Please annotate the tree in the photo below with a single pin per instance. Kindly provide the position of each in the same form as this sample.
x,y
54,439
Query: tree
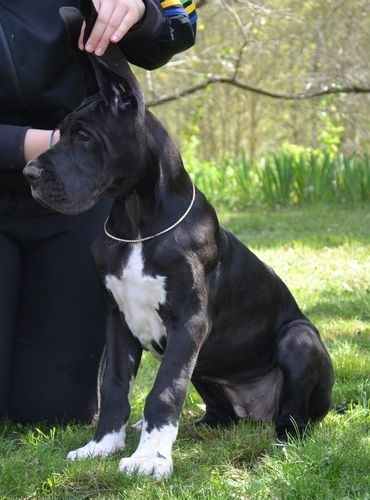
x,y
265,73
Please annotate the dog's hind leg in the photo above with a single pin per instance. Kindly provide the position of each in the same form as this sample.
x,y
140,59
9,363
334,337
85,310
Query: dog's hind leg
x,y
307,378
219,410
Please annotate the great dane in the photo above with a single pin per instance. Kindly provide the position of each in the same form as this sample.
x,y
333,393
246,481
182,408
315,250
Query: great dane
x,y
176,283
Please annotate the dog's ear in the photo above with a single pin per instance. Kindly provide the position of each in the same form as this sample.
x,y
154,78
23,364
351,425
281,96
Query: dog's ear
x,y
112,71
116,81
73,21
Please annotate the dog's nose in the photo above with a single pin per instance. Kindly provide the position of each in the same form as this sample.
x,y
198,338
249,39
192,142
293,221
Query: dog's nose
x,y
32,172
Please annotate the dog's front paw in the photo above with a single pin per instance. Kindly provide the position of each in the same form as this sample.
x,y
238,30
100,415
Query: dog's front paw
x,y
111,443
157,466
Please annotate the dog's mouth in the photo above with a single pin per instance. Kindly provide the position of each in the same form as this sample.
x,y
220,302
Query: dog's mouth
x,y
53,196
39,200
62,207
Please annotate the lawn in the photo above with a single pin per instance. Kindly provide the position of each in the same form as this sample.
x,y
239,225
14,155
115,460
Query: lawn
x,y
323,254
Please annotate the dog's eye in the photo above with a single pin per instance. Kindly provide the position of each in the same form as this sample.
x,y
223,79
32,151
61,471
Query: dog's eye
x,y
84,136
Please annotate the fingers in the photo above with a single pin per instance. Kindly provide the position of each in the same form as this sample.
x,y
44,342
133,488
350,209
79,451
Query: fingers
x,y
115,18
81,38
97,42
122,28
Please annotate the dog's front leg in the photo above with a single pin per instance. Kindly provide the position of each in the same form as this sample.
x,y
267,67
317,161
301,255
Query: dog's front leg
x,y
153,455
123,354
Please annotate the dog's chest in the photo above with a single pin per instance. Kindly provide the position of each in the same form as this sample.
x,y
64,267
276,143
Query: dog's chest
x,y
138,297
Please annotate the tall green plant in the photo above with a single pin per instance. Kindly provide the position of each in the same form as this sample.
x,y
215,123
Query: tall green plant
x,y
366,179
276,175
245,178
315,177
299,177
354,179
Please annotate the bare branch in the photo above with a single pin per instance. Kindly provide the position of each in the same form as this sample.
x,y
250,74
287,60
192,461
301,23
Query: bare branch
x,y
333,89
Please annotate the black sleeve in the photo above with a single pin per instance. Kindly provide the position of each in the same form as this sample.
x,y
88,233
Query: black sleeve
x,y
158,36
12,147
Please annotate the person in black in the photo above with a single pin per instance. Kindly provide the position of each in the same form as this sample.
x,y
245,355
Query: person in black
x,y
51,312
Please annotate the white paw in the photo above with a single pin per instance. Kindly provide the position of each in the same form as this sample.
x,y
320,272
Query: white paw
x,y
111,443
157,466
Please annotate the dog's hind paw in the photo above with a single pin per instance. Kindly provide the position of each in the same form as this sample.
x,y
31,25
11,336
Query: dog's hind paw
x,y
158,466
110,443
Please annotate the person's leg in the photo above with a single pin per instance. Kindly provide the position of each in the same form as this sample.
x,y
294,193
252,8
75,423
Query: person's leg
x,y
60,328
10,265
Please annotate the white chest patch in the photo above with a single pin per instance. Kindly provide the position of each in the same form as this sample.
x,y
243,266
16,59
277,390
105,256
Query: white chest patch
x,y
138,296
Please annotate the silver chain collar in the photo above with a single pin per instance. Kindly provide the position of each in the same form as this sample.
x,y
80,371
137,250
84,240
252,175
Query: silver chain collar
x,y
147,238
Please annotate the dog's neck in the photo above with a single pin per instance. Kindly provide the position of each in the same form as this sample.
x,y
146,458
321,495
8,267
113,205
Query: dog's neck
x,y
161,197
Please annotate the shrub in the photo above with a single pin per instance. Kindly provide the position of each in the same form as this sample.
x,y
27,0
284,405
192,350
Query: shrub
x,y
302,176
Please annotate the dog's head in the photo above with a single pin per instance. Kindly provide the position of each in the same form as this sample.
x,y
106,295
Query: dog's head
x,y
103,141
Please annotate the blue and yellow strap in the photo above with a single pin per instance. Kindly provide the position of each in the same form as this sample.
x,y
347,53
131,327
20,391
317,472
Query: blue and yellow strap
x,y
180,7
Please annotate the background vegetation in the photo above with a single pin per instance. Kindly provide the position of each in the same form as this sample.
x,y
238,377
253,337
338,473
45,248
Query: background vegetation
x,y
272,104
264,61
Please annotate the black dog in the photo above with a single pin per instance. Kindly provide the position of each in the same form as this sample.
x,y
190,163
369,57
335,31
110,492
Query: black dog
x,y
176,283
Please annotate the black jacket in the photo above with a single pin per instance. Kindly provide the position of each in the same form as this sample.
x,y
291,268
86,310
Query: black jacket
x,y
40,79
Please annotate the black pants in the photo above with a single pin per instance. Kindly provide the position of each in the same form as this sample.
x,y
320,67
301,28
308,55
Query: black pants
x,y
51,316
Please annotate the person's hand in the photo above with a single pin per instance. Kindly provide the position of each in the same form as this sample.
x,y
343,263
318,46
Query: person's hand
x,y
115,18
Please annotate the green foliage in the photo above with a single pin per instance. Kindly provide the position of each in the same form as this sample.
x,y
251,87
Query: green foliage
x,y
294,176
276,175
281,46
354,178
228,184
314,178
331,128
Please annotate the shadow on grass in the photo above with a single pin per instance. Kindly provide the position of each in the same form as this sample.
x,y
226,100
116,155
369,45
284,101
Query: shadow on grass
x,y
239,445
330,304
315,227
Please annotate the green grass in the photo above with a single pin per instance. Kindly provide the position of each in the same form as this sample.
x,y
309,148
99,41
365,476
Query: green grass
x,y
323,254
